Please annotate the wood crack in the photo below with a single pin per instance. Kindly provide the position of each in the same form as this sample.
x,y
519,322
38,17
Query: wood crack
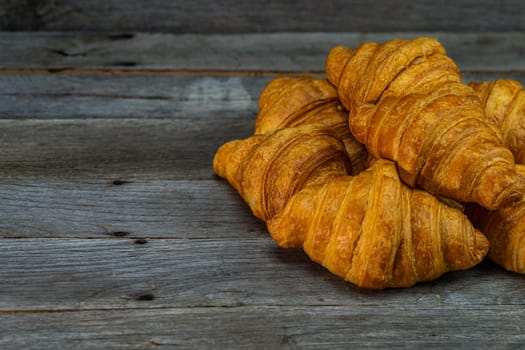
x,y
158,72
206,73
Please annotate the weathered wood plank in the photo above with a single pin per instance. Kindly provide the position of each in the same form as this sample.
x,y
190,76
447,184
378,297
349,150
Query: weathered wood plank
x,y
286,327
215,99
81,274
281,52
179,122
206,16
109,149
96,208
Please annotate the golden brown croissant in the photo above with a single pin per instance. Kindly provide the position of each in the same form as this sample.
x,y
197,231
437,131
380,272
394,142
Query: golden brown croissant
x,y
289,101
436,132
268,169
397,67
285,100
504,104
376,232
505,230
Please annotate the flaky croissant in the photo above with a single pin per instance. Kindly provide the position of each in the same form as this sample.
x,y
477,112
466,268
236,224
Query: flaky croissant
x,y
397,67
504,104
435,130
376,232
293,101
505,230
268,169
286,101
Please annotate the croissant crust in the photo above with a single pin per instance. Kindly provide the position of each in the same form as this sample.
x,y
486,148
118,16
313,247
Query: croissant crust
x,y
268,169
376,232
407,104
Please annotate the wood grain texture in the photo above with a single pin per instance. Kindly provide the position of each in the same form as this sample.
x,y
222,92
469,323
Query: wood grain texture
x,y
279,52
109,149
97,208
85,274
215,99
227,16
121,127
282,327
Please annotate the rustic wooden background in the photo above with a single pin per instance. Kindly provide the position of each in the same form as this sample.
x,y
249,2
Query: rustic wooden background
x,y
114,231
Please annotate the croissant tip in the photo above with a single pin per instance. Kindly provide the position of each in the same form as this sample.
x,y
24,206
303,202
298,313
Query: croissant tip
x,y
514,194
477,252
482,245
335,63
220,160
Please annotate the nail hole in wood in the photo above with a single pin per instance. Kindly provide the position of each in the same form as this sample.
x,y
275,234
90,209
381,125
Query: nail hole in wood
x,y
140,241
145,297
59,52
124,64
118,233
118,182
122,36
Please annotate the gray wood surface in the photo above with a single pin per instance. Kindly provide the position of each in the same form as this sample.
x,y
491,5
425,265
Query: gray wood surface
x,y
194,99
108,149
227,16
115,233
235,53
271,327
122,273
97,208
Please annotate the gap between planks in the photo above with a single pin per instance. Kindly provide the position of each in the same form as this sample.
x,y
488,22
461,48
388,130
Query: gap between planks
x,y
334,306
166,308
203,73
158,72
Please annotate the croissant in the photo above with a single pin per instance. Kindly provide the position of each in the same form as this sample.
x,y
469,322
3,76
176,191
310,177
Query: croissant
x,y
505,230
376,232
397,67
268,169
504,104
288,102
285,100
435,131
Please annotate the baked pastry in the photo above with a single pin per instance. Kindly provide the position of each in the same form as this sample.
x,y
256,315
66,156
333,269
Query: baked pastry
x,y
397,67
405,102
505,230
503,101
376,232
293,101
268,169
435,131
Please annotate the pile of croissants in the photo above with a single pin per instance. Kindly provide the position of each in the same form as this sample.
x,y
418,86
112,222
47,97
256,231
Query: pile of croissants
x,y
391,171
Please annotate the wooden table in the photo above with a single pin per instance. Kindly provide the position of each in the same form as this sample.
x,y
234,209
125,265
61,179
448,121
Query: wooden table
x,y
116,233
